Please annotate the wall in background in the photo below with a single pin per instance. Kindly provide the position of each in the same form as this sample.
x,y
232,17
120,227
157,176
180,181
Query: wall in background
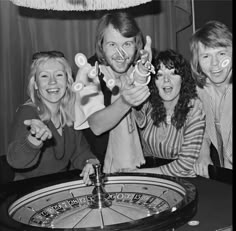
x,y
205,10
221,10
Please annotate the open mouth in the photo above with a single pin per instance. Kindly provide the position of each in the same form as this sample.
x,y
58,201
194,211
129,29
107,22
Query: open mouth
x,y
167,90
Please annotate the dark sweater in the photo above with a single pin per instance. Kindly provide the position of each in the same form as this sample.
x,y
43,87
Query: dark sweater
x,y
60,153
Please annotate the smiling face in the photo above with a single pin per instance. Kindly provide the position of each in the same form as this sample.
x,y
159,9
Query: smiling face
x,y
51,81
168,84
216,63
119,51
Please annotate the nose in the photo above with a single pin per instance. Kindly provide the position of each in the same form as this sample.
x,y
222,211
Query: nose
x,y
52,79
121,52
166,78
214,61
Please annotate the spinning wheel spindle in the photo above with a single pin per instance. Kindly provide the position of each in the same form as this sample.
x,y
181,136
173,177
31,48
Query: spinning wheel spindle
x,y
100,195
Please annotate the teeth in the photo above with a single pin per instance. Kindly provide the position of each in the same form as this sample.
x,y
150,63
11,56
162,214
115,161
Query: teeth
x,y
167,89
52,90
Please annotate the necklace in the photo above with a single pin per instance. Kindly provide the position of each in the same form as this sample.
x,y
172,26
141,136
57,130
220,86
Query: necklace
x,y
55,122
168,119
169,114
58,126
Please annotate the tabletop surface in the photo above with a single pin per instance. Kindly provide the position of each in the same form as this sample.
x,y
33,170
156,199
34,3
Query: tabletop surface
x,y
214,206
214,210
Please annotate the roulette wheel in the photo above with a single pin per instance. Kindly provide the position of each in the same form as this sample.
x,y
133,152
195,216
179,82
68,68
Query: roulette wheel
x,y
120,201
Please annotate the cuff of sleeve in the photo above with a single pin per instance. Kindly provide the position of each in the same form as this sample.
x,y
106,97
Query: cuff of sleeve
x,y
32,145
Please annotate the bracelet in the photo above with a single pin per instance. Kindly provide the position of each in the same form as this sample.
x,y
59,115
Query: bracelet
x,y
138,71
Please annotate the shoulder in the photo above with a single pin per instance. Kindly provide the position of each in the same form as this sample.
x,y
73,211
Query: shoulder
x,y
27,109
25,112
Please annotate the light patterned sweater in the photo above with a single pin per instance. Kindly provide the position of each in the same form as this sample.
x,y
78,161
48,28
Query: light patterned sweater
x,y
183,145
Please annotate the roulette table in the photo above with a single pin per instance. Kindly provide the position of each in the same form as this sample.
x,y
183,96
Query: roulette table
x,y
124,201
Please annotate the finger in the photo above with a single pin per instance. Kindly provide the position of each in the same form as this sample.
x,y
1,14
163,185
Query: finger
x,y
136,101
27,122
86,178
147,47
140,94
46,135
144,56
205,171
82,173
127,84
34,129
43,131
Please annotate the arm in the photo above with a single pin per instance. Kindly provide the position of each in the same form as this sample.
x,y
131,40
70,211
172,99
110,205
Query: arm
x,y
107,118
143,67
140,114
83,158
26,142
204,159
82,152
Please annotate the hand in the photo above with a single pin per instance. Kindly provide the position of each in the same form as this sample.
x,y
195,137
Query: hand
x,y
145,66
38,130
144,56
88,170
201,166
135,95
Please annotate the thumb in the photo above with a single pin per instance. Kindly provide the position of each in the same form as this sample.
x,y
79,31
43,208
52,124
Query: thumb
x,y
148,48
27,122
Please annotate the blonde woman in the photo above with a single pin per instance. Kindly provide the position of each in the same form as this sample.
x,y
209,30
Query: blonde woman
x,y
43,139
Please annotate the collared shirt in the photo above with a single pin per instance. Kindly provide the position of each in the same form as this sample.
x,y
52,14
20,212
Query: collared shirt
x,y
124,148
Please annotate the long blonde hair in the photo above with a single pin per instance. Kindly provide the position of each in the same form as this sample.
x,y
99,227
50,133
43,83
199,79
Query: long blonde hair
x,y
66,109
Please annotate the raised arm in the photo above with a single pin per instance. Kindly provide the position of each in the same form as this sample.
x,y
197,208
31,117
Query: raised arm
x,y
107,118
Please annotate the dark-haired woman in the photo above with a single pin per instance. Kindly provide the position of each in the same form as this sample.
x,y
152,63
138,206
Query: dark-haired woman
x,y
172,121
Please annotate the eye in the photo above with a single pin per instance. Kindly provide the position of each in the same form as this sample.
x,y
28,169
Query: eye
x,y
159,75
176,72
128,44
111,44
43,76
222,53
205,56
60,74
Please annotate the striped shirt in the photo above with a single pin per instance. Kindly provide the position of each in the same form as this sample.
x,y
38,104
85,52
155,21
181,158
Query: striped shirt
x,y
183,145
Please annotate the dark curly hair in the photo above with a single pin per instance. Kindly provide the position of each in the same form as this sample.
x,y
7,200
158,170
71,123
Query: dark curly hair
x,y
172,59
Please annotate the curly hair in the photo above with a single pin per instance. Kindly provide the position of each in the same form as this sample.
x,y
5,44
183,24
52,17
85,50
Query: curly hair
x,y
170,59
67,103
